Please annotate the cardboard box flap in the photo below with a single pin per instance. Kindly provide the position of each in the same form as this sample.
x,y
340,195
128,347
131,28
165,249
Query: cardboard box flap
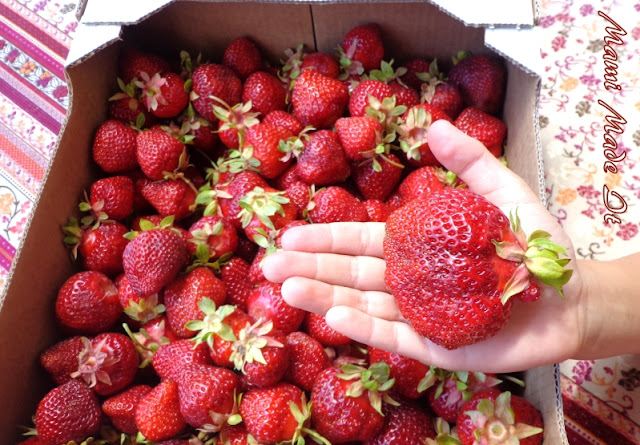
x,y
89,39
117,11
491,12
520,45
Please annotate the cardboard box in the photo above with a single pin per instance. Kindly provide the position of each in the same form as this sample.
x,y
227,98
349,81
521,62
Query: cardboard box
x,y
410,28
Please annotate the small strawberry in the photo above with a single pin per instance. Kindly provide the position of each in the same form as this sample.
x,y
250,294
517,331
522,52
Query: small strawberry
x,y
234,122
424,181
199,132
182,296
405,424
69,412
412,377
359,99
127,107
405,96
243,57
159,153
236,435
140,309
323,160
87,303
322,62
158,414
266,303
234,276
264,210
214,80
335,204
485,259
377,179
216,233
152,335
359,136
413,133
153,259
446,97
165,95
362,49
488,129
113,196
121,408
307,358
232,193
279,118
61,359
170,360
265,91
416,70
114,147
481,80
491,417
174,197
266,141
100,248
132,63
316,326
220,329
377,210
318,100
299,193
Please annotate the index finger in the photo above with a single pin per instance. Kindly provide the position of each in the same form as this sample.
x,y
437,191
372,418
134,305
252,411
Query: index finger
x,y
346,238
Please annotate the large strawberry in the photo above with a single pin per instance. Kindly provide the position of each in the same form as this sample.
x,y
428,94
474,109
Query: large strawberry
x,y
481,80
318,100
359,136
493,417
70,412
316,326
140,309
455,248
359,100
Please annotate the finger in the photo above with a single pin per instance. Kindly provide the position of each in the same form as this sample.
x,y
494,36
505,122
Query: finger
x,y
348,238
475,165
358,272
318,297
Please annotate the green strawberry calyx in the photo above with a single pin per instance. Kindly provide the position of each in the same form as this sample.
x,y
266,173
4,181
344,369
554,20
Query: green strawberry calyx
x,y
251,341
302,415
375,380
212,323
537,255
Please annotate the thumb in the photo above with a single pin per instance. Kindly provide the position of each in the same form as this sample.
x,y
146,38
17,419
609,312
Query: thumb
x,y
476,166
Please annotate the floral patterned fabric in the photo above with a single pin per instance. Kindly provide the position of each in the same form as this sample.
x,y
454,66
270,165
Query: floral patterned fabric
x,y
601,398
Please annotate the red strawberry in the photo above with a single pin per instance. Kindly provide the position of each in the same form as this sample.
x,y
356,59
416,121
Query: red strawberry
x,y
240,185
359,136
335,204
265,141
264,210
307,358
446,97
418,66
474,261
481,80
221,346
491,416
424,181
318,100
488,129
299,193
359,99
108,363
404,95
140,205
101,247
158,414
153,259
170,360
377,178
279,118
132,63
265,303
61,359
181,298
201,131
243,57
405,424
363,46
377,210
69,412
159,153
412,376
218,81
152,335
316,326
113,196
114,147
265,91
236,435
164,95
87,303
171,197
323,160
121,408
413,133
216,233
234,122
207,396
323,63
344,409
140,309
234,276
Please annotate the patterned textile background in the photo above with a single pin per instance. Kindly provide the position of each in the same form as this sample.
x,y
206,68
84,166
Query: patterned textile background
x,y
601,398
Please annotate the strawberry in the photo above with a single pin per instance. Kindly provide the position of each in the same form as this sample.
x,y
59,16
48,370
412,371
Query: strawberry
x,y
170,360
416,68
221,345
483,259
265,303
404,95
152,335
481,80
377,210
318,100
240,185
322,62
491,416
376,180
316,326
446,97
100,247
127,107
243,57
140,309
405,424
108,363
265,141
159,153
359,99
153,259
171,197
132,63
233,274
265,91
140,205
413,133
236,435
307,358
165,95
181,298
158,414
121,408
69,412
264,210
488,129
347,402
200,131
363,47
216,233
207,396
114,147
280,118
359,136
234,122
411,375
335,204
87,303
113,196
323,160
276,414
61,359
424,181
299,193
214,80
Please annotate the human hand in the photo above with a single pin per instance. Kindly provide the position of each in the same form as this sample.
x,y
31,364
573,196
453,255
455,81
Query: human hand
x,y
338,270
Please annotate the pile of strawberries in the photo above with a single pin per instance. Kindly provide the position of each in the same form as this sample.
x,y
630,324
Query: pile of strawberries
x,y
173,336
